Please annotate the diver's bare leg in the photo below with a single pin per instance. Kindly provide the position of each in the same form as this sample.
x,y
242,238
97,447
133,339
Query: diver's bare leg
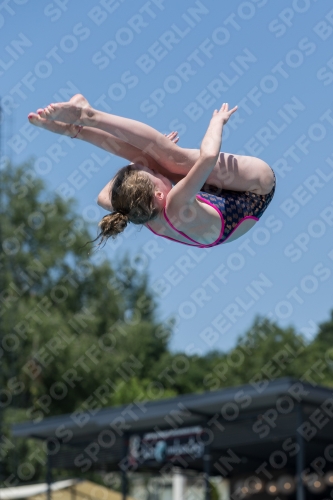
x,y
103,140
234,172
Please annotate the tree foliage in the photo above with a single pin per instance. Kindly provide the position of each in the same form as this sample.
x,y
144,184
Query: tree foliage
x,y
70,322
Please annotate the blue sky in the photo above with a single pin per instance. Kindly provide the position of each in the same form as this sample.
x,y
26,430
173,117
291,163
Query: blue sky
x,y
170,64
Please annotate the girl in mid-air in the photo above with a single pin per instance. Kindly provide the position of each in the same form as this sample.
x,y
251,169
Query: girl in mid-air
x,y
200,198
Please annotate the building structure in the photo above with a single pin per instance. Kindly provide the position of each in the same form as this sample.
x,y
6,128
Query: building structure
x,y
266,438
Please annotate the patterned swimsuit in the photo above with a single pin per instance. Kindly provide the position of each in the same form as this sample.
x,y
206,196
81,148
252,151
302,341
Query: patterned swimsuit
x,y
235,209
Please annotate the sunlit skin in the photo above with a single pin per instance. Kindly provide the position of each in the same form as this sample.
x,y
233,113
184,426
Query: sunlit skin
x,y
191,215
160,181
234,172
162,185
198,223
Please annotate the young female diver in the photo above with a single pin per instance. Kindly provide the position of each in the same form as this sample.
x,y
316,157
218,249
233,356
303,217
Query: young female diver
x,y
142,193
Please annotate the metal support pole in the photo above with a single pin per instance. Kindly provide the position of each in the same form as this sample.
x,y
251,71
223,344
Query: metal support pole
x,y
73,492
300,458
124,481
178,484
49,472
206,468
2,287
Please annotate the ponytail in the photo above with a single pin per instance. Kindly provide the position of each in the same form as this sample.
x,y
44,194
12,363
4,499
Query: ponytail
x,y
132,197
112,224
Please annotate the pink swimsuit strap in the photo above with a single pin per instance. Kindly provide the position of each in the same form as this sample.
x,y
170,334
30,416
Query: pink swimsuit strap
x,y
200,245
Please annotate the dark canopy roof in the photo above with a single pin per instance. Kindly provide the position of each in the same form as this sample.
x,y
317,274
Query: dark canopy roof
x,y
253,420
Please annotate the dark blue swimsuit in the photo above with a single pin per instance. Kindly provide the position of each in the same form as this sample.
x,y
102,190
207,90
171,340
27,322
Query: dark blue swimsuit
x,y
236,209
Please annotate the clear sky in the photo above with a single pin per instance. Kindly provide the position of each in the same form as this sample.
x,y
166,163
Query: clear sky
x,y
170,64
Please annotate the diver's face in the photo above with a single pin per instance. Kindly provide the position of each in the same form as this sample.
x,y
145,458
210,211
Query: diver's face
x,y
160,182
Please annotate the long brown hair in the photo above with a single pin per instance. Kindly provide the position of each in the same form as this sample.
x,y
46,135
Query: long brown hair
x,y
132,199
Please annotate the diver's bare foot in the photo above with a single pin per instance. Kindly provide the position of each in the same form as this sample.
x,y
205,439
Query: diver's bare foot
x,y
53,126
75,111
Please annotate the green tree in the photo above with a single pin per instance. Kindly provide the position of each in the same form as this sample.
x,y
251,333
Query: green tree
x,y
322,353
267,352
325,332
70,322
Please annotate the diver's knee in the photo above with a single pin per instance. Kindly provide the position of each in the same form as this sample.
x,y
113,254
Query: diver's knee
x,y
267,180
